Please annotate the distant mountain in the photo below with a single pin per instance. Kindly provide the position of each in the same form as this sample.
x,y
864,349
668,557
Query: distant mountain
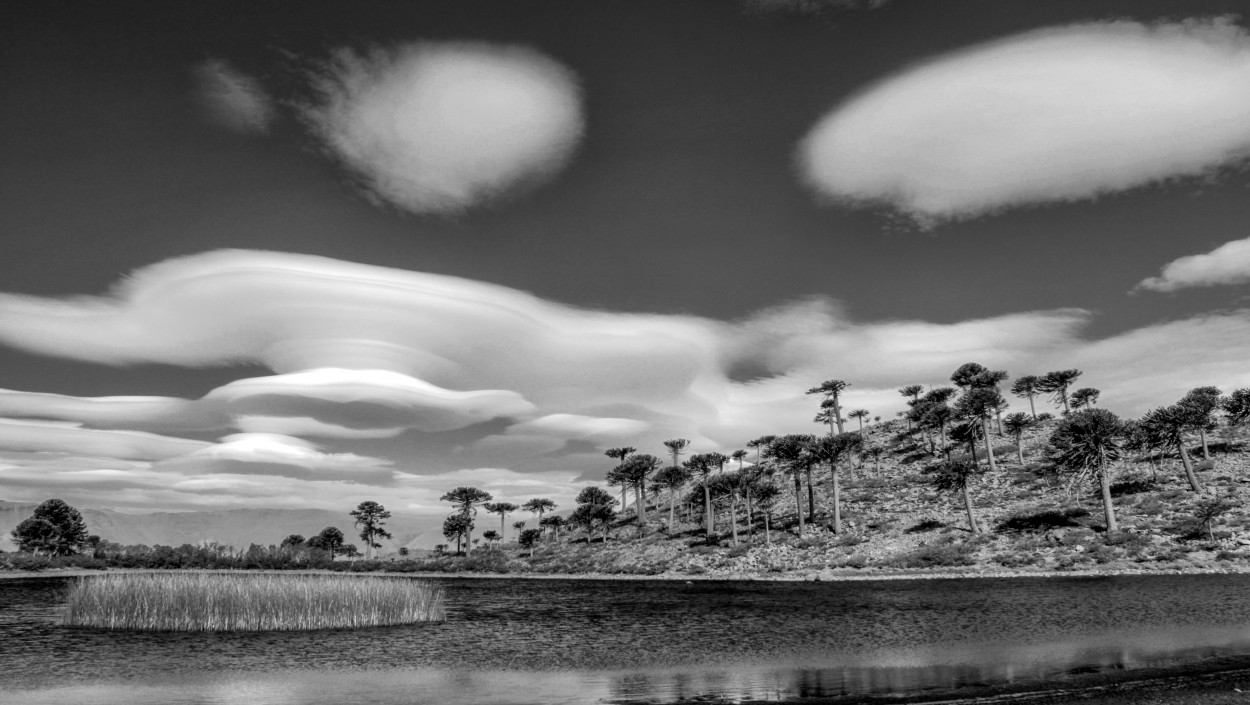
x,y
234,527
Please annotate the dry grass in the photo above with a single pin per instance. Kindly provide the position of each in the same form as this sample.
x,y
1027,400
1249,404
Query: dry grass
x,y
230,602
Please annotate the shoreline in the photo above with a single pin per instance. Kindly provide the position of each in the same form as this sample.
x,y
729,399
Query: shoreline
x,y
792,577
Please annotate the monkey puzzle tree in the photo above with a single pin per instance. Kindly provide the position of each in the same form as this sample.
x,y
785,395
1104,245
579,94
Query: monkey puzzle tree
x,y
456,528
1016,424
330,539
860,415
54,528
766,496
539,506
614,478
466,501
293,541
1026,387
832,390
555,522
1087,443
793,453
832,450
957,476
1237,406
503,509
978,405
671,478
1169,424
701,466
370,517
635,472
1057,383
529,538
1084,397
594,510
1201,404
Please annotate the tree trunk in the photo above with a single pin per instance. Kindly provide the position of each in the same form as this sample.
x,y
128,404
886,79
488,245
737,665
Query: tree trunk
x,y
837,413
640,511
972,517
798,501
998,420
768,537
989,450
502,518
672,507
1032,410
468,538
1206,453
837,503
709,516
1189,468
733,515
1105,485
1020,449
811,495
1063,394
750,519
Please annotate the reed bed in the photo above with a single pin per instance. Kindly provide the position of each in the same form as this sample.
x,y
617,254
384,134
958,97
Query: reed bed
x,y
266,602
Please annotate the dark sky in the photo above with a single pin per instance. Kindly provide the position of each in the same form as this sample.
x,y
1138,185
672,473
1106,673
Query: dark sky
x,y
682,196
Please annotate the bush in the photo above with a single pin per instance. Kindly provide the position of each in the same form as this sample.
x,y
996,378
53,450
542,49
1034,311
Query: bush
x,y
935,556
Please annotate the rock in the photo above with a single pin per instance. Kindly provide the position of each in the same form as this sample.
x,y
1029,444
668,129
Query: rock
x,y
826,575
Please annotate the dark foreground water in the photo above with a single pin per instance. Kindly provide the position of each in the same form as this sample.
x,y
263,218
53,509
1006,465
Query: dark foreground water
x,y
578,641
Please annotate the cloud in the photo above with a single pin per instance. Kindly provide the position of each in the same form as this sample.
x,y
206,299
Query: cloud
x,y
1054,115
432,373
234,100
1227,264
439,127
34,436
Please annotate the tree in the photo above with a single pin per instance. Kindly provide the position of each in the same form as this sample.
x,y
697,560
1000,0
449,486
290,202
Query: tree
x,y
529,538
832,450
614,478
1016,424
793,452
1237,406
503,509
671,478
456,527
555,522
635,473
370,517
1084,397
701,466
519,526
539,506
860,415
466,501
913,391
1087,443
1027,387
55,528
1201,404
676,449
491,536
1206,511
293,541
330,539
978,405
832,390
1057,383
957,476
594,510
766,495
1169,424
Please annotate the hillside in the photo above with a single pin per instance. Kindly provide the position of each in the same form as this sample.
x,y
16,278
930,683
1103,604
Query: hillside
x,y
895,520
233,527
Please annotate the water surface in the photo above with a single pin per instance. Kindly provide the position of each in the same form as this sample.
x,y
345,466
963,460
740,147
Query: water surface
x,y
574,641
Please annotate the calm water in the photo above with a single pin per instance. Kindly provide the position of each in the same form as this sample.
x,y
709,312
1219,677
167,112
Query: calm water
x,y
557,641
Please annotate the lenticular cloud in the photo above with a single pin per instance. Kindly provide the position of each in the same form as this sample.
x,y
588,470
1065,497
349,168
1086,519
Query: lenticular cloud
x,y
1053,115
436,128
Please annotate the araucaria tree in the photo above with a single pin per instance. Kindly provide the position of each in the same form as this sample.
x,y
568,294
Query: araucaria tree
x,y
832,391
1201,404
635,472
594,510
1015,425
503,509
614,475
859,415
1169,425
330,539
466,501
55,528
539,506
701,466
1087,443
977,405
671,478
370,517
1085,397
956,476
793,452
1237,406
1026,387
1057,383
832,450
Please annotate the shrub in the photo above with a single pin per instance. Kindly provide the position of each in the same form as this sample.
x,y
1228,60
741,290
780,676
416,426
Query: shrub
x,y
935,556
227,602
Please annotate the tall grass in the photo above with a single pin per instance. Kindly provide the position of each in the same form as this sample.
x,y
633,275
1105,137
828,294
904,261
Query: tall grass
x,y
228,602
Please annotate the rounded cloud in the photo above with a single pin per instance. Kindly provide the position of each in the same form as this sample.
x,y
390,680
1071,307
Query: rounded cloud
x,y
1227,264
1053,115
438,127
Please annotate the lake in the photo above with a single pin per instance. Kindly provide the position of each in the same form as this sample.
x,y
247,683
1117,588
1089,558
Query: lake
x,y
578,641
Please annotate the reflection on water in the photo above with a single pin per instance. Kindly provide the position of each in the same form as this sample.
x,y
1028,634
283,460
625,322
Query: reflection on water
x,y
519,641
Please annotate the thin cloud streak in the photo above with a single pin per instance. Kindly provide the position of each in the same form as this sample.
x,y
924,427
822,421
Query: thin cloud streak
x,y
233,100
1053,115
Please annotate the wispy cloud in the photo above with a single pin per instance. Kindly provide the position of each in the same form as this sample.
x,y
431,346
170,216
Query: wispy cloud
x,y
1053,115
1227,264
233,100
439,127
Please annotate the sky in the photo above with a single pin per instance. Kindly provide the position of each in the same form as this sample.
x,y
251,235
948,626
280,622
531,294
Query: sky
x,y
307,255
